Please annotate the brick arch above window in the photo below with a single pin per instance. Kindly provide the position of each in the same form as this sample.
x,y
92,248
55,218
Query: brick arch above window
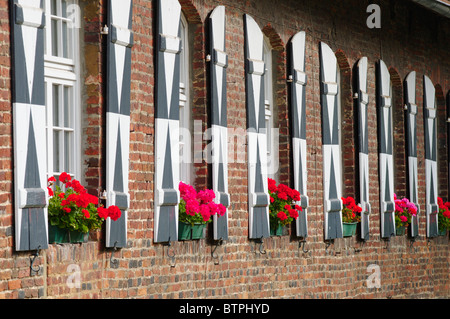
x,y
275,40
399,137
190,11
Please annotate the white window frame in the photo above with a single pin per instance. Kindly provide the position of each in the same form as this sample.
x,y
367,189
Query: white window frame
x,y
63,71
185,121
271,130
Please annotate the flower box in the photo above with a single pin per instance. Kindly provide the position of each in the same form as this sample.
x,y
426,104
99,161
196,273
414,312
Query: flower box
x,y
442,232
58,235
277,231
400,231
187,231
349,229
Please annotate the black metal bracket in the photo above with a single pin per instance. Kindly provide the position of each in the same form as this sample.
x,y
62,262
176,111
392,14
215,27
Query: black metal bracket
x,y
112,260
171,256
213,251
358,250
328,244
302,244
34,270
388,240
261,246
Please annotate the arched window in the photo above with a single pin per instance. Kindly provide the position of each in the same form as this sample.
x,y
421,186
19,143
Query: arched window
x,y
186,158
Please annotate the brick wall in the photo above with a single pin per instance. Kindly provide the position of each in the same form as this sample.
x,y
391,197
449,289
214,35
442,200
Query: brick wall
x,y
410,38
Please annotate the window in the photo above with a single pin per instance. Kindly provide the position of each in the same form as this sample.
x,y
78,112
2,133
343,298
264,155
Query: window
x,y
186,160
62,93
270,116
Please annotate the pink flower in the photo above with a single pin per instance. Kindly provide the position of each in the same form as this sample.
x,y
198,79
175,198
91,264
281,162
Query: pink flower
x,y
206,195
187,192
403,219
222,210
205,212
192,207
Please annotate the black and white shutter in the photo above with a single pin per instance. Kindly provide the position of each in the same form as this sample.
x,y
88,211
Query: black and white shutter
x,y
411,138
219,135
30,158
431,175
120,41
298,111
363,137
386,163
332,180
167,169
258,195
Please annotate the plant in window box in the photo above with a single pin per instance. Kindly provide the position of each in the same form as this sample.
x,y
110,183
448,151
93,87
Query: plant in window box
x,y
74,212
195,211
282,209
351,216
404,210
443,216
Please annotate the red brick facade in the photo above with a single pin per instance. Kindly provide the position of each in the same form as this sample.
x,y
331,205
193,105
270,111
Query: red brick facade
x,y
410,39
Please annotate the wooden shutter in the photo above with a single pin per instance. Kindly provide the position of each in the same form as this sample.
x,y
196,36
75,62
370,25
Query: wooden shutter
x,y
411,138
167,121
431,176
256,135
30,157
219,136
120,41
386,163
298,111
332,180
363,143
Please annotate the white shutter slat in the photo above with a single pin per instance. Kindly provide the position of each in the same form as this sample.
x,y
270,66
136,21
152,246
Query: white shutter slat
x,y
219,137
386,163
363,137
411,138
167,170
331,148
120,42
30,157
431,174
298,111
257,142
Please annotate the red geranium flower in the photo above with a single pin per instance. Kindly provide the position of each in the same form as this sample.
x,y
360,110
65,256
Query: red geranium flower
x,y
282,216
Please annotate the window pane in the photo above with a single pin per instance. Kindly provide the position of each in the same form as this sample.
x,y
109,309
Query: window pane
x,y
67,108
55,105
64,8
56,148
54,8
67,151
64,40
54,31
